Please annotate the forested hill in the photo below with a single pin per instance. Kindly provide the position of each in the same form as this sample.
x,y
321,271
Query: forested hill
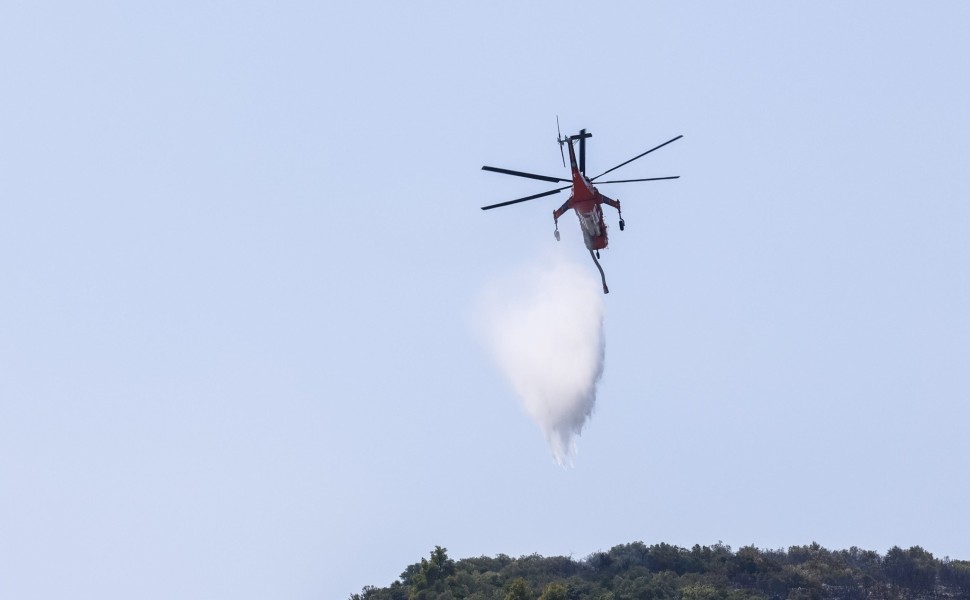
x,y
664,572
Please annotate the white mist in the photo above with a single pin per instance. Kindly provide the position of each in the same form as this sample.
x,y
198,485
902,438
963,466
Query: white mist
x,y
544,327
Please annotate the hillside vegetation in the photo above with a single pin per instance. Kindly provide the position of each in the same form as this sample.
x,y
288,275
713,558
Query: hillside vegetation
x,y
664,572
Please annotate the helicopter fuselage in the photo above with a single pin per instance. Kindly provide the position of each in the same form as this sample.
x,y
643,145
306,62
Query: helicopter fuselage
x,y
585,199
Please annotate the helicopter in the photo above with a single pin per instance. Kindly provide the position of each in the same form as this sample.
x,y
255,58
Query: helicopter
x,y
584,198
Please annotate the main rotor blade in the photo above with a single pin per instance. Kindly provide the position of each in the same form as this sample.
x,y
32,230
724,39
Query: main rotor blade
x,y
532,197
632,180
528,175
636,157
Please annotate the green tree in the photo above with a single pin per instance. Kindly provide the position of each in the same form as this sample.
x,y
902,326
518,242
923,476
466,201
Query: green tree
x,y
664,557
625,556
519,589
554,591
440,566
427,579
956,573
699,591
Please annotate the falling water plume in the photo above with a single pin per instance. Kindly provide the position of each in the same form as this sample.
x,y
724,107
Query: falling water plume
x,y
544,327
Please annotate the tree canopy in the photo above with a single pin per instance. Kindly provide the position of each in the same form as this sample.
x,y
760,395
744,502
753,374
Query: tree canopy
x,y
636,571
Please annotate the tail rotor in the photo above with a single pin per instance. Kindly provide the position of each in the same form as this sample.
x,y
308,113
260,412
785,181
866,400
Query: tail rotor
x,y
561,142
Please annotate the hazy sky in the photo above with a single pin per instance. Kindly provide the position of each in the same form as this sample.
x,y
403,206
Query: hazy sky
x,y
241,250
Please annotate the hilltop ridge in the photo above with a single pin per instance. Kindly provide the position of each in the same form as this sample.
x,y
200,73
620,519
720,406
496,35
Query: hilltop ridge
x,y
636,571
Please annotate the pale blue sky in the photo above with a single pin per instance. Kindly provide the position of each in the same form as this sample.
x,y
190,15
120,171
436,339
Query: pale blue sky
x,y
240,250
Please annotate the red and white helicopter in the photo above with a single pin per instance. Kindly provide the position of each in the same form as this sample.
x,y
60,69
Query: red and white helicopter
x,y
585,199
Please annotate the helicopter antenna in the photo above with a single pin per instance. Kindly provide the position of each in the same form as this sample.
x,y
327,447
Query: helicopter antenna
x,y
561,141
